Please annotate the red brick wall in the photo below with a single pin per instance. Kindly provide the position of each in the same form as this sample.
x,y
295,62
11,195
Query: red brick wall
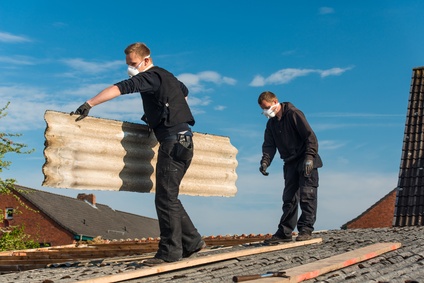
x,y
41,228
378,216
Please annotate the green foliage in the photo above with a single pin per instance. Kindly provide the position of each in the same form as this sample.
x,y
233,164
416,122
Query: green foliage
x,y
16,240
7,145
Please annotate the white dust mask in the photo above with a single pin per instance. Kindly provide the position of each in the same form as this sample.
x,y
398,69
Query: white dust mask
x,y
270,112
132,71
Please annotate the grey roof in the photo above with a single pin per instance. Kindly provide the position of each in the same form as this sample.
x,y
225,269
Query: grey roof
x,y
402,265
409,208
405,263
82,218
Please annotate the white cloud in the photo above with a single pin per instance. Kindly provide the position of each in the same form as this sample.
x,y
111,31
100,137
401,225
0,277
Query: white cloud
x,y
17,60
27,107
86,91
196,82
326,10
251,158
330,145
332,126
333,72
195,101
220,107
123,108
10,93
59,25
258,80
256,208
353,115
92,67
285,76
339,190
11,38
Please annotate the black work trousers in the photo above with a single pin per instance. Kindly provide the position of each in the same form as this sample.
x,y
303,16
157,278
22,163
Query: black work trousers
x,y
298,191
177,232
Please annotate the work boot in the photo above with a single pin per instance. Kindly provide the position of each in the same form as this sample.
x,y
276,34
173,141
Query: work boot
x,y
304,236
275,240
153,261
200,246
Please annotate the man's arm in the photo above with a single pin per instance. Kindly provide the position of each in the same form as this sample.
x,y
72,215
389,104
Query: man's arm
x,y
107,94
307,134
268,150
103,96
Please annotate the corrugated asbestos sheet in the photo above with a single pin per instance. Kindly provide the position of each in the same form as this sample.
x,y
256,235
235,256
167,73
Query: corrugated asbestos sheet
x,y
101,154
410,193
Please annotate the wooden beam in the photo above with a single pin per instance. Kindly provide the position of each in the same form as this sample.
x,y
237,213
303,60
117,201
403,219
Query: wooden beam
x,y
314,269
196,261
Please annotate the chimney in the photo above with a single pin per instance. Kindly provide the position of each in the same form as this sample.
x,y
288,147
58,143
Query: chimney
x,y
90,198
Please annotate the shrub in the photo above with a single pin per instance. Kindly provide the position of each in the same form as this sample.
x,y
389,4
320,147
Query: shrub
x,y
16,239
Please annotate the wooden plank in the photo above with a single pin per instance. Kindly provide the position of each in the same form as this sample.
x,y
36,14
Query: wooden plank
x,y
9,253
196,261
314,269
62,254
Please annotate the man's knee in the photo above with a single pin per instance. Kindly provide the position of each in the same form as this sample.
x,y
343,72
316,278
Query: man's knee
x,y
308,193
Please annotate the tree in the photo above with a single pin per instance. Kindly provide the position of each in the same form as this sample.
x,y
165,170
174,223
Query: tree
x,y
16,238
7,145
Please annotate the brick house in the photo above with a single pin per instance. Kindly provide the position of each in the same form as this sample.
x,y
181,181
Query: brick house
x,y
60,220
379,215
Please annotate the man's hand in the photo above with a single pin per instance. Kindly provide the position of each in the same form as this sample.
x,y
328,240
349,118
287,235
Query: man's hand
x,y
82,111
308,166
263,168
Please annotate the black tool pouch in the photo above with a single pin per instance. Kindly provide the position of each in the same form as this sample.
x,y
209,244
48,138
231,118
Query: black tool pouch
x,y
183,148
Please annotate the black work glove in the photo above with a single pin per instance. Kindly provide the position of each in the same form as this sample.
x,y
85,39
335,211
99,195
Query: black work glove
x,y
82,111
308,166
263,168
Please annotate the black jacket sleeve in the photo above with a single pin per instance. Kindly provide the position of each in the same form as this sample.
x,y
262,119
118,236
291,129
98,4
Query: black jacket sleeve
x,y
184,89
146,82
306,134
269,147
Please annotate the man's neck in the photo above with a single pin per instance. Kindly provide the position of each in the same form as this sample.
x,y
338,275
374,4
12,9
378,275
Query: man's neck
x,y
279,114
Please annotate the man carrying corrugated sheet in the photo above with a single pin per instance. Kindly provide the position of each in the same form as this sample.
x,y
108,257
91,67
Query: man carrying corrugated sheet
x,y
167,113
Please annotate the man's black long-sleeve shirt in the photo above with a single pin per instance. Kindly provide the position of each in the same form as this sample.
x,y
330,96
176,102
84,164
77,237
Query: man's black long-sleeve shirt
x,y
291,135
165,106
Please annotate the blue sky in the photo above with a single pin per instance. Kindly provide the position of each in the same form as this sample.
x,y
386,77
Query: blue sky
x,y
346,65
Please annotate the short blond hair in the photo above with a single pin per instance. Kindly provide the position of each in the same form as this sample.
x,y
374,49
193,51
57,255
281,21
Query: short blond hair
x,y
267,96
139,48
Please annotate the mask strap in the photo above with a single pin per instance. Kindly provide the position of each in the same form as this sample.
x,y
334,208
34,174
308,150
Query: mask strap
x,y
138,66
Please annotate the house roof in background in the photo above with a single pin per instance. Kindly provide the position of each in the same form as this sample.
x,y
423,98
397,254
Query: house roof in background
x,y
82,218
409,208
378,222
